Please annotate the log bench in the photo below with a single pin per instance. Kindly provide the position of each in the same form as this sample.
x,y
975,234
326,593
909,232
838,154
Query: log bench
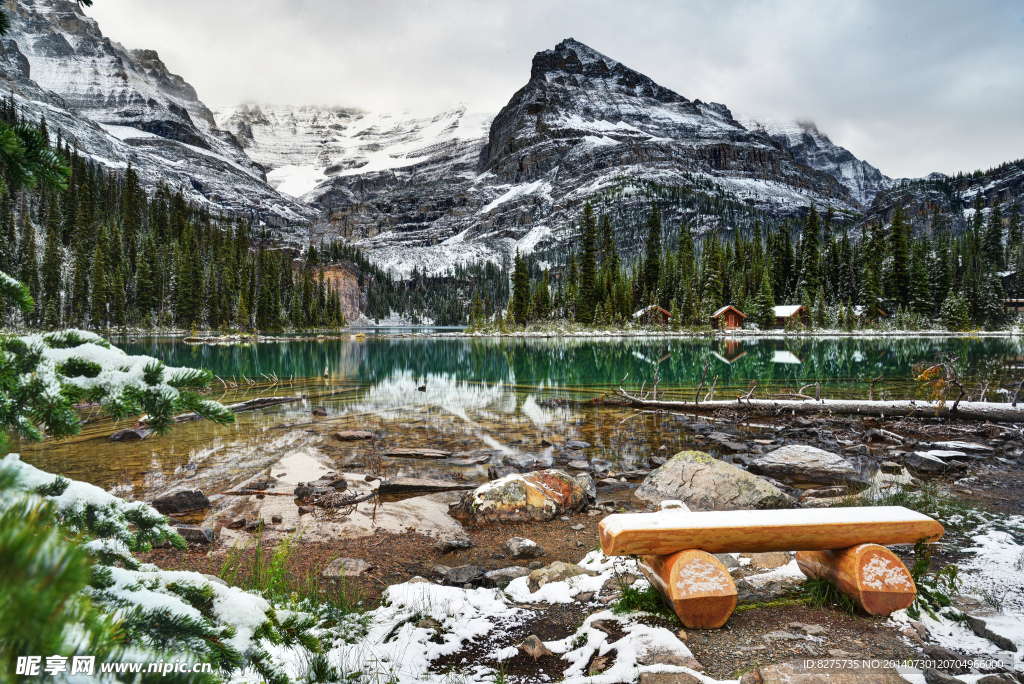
x,y
843,545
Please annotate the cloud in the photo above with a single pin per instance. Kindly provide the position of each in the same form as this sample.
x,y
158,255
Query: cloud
x,y
911,87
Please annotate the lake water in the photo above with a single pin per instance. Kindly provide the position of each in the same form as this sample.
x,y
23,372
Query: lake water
x,y
479,393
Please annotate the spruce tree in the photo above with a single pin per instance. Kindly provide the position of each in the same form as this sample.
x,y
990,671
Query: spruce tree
x,y
519,307
993,243
28,261
8,233
898,284
810,255
652,255
541,298
100,284
764,305
586,301
52,258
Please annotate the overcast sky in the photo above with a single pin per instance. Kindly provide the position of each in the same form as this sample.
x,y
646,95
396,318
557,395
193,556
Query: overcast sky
x,y
911,87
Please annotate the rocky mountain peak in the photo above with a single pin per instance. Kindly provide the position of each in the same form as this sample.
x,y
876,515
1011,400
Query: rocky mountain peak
x,y
573,63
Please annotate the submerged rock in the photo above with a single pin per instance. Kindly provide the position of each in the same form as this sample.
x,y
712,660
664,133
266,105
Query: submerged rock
x,y
805,463
928,463
539,496
706,484
195,535
181,501
352,435
130,435
449,544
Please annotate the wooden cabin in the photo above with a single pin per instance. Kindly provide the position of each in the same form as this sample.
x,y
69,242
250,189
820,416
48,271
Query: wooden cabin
x,y
789,312
727,318
1013,305
652,315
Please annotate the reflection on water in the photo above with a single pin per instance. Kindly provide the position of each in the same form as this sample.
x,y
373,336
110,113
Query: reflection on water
x,y
478,394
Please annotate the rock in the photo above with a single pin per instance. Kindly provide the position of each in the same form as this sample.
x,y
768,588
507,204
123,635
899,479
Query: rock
x,y
891,468
982,629
809,630
556,572
253,525
181,501
339,484
589,488
610,484
464,574
429,623
502,576
276,519
963,446
305,492
928,463
769,560
352,435
578,527
668,678
727,560
404,452
538,496
521,461
214,578
664,655
130,435
449,544
518,547
346,567
805,464
534,647
305,510
1001,678
535,565
933,676
576,444
768,591
579,465
477,459
805,672
781,634
420,485
496,472
584,596
706,484
949,657
319,412
670,504
237,523
195,535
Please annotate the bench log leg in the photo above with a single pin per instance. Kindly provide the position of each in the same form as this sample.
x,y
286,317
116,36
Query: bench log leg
x,y
870,574
696,584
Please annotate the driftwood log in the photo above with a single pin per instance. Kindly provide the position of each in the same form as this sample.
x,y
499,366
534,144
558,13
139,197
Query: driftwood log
x,y
872,575
966,410
696,584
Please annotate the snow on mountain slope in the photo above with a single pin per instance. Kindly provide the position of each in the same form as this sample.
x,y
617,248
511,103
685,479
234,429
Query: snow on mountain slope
x,y
815,149
303,146
125,106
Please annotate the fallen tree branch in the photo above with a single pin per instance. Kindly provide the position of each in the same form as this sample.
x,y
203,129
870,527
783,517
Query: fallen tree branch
x,y
1000,413
696,397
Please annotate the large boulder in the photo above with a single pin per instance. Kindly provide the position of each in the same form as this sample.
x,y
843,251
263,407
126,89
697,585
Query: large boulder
x,y
538,496
707,484
805,464
181,501
559,571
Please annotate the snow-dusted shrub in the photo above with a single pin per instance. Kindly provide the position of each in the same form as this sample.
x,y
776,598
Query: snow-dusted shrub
x,y
42,375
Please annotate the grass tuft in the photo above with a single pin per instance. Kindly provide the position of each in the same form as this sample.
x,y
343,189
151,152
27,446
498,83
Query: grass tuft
x,y
821,593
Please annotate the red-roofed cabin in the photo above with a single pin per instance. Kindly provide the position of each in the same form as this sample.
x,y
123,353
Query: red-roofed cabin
x,y
728,317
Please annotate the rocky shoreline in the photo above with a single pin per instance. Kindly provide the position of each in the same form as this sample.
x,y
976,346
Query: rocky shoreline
x,y
536,522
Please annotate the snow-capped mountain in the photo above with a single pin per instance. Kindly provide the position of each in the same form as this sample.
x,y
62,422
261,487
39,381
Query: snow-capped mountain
x,y
813,148
125,106
303,146
430,191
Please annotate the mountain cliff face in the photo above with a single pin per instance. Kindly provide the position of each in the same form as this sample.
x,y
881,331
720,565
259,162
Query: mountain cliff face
x,y
125,106
811,147
430,191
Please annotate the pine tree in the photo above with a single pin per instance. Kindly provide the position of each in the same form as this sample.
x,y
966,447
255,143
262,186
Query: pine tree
x,y
993,242
920,287
810,255
8,234
541,299
100,285
52,282
820,310
587,299
764,305
652,255
898,284
519,307
27,259
674,312
954,313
